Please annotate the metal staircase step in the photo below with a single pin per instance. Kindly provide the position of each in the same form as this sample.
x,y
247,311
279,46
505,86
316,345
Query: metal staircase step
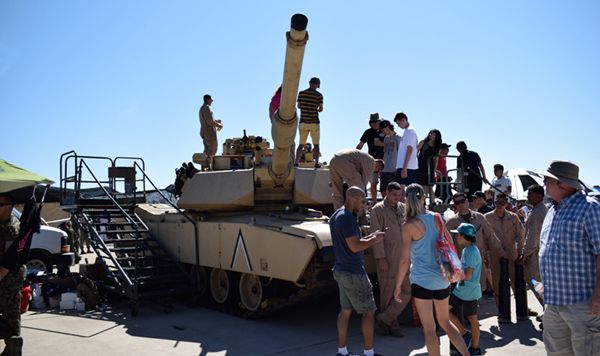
x,y
134,248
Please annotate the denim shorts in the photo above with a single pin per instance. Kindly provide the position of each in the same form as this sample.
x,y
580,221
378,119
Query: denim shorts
x,y
356,291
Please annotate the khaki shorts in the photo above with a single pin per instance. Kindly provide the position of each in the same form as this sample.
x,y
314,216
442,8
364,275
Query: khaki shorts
x,y
356,291
313,129
571,329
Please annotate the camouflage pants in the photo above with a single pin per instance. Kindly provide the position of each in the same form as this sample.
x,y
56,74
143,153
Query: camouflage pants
x,y
10,304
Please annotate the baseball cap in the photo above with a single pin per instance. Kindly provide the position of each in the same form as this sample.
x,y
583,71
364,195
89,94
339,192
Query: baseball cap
x,y
465,229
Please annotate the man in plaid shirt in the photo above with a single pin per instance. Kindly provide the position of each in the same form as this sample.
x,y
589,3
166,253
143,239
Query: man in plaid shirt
x,y
570,265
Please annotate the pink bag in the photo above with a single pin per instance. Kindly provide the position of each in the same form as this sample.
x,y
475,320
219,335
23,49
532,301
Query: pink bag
x,y
447,257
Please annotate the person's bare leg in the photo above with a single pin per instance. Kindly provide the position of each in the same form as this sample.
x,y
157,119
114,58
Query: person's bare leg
x,y
367,326
425,310
441,313
454,319
342,326
474,330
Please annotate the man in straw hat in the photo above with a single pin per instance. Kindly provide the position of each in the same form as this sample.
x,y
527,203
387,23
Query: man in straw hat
x,y
570,264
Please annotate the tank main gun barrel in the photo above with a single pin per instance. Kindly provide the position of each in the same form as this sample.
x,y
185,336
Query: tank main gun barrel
x,y
284,122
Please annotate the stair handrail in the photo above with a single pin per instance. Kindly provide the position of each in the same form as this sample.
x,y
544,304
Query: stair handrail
x,y
125,214
180,211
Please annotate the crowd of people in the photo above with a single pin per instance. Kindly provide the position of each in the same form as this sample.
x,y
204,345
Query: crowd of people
x,y
552,239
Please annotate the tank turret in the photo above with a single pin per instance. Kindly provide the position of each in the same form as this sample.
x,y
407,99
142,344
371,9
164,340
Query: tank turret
x,y
250,172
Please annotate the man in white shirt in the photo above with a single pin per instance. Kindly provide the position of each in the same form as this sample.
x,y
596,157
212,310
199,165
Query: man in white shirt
x,y
500,181
407,164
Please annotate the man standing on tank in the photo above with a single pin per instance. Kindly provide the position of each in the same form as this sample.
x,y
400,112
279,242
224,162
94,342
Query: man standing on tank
x,y
471,163
209,127
373,137
310,103
356,291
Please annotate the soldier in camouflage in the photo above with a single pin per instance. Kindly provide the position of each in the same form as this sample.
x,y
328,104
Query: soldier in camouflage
x,y
10,282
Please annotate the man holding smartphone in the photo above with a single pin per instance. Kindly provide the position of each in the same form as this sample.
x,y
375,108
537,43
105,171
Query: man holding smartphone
x,y
356,292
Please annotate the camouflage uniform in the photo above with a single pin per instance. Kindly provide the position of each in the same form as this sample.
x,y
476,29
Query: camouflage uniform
x,y
10,290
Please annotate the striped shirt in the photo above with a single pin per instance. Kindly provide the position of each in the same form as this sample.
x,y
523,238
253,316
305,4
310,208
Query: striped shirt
x,y
309,101
569,244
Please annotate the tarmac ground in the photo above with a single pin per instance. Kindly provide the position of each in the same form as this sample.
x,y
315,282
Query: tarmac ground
x,y
308,329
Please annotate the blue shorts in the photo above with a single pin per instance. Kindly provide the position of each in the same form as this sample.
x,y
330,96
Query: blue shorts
x,y
356,291
410,178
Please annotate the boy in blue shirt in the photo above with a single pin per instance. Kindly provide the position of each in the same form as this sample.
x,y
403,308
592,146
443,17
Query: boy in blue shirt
x,y
464,298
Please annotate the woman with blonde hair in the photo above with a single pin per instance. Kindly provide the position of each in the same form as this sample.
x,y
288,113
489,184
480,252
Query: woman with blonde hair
x,y
429,288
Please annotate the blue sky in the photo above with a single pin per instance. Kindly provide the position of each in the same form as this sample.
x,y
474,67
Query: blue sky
x,y
519,81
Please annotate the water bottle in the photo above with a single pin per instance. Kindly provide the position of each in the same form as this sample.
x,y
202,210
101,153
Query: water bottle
x,y
538,286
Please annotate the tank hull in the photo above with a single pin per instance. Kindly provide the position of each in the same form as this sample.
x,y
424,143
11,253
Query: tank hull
x,y
249,264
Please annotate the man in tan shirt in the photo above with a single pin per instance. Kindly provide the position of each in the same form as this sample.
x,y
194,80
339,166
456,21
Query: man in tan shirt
x,y
511,233
389,214
487,241
533,228
353,167
209,127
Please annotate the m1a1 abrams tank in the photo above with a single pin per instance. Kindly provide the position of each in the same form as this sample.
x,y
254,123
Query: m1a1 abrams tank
x,y
249,230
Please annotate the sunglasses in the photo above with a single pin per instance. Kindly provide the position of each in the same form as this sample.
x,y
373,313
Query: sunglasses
x,y
458,202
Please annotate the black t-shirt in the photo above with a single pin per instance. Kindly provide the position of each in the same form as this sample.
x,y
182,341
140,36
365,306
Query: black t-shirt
x,y
369,137
471,161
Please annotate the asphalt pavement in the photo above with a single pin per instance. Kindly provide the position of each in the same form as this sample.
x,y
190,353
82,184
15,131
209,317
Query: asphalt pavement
x,y
307,329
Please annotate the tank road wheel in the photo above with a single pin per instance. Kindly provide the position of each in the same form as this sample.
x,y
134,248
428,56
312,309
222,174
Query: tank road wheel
x,y
200,279
220,285
251,291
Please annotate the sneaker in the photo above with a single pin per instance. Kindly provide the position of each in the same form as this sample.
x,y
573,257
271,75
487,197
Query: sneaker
x,y
318,165
473,351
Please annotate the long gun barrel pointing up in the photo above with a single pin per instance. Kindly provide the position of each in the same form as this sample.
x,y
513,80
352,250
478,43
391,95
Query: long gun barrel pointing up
x,y
285,120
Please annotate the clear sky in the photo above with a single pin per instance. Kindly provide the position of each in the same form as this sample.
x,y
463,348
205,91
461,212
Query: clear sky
x,y
519,81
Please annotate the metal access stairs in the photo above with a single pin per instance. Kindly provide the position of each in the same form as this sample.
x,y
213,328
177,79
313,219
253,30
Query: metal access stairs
x,y
135,264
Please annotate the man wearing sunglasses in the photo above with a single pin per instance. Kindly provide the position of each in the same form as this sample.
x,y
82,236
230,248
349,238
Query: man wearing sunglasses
x,y
487,241
511,233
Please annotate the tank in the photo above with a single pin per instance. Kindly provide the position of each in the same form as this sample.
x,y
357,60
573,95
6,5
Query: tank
x,y
248,224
